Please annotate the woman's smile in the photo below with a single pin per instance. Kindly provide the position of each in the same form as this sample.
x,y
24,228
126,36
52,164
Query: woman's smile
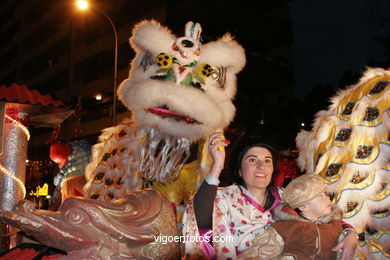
x,y
256,168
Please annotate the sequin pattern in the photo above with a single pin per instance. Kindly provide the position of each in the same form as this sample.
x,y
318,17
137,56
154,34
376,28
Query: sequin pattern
x,y
344,134
348,109
363,151
333,169
379,87
358,179
371,114
351,206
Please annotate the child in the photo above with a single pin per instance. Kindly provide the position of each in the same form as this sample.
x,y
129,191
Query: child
x,y
308,228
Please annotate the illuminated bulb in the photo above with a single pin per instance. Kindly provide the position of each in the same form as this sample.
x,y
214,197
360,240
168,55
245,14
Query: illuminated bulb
x,y
27,161
48,197
98,97
82,4
302,124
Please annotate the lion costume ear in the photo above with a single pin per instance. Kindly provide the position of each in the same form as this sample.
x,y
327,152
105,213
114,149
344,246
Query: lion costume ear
x,y
151,36
193,30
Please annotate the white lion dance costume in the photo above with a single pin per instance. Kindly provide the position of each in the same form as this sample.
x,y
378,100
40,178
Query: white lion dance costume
x,y
349,147
179,92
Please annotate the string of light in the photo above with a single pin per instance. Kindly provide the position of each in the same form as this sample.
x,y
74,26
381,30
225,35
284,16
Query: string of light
x,y
7,172
20,183
24,129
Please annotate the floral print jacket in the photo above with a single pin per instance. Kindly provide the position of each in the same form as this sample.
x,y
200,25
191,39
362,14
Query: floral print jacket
x,y
237,218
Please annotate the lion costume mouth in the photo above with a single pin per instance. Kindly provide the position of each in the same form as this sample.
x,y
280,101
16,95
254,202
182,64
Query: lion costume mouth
x,y
165,112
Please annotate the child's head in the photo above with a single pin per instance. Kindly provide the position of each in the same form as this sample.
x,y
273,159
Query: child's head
x,y
307,193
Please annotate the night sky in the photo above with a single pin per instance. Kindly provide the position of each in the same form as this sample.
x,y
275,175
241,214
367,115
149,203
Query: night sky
x,y
335,40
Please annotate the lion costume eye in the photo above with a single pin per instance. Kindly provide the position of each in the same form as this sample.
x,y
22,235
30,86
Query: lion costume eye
x,y
205,70
219,75
164,60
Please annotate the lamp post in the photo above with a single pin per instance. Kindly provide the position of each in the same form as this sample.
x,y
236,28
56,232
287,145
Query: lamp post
x,y
83,5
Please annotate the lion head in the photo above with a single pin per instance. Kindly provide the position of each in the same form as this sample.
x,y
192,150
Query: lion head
x,y
179,85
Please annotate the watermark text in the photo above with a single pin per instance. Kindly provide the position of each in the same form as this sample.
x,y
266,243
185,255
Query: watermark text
x,y
193,239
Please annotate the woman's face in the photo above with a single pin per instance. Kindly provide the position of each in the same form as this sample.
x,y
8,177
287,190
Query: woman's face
x,y
257,168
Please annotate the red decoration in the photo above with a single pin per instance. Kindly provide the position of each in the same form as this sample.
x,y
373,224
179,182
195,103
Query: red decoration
x,y
287,170
59,153
21,118
21,94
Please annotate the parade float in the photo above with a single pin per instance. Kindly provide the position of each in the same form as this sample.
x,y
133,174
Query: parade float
x,y
179,91
20,108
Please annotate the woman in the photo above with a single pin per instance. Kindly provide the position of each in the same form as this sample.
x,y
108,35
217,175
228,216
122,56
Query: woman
x,y
232,216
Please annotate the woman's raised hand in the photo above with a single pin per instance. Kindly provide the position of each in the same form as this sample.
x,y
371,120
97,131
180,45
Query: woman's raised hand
x,y
216,148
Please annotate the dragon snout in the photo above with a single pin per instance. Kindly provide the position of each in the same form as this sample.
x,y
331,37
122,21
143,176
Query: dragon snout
x,y
187,43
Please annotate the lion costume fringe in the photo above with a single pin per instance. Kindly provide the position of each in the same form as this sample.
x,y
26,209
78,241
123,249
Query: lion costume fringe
x,y
349,147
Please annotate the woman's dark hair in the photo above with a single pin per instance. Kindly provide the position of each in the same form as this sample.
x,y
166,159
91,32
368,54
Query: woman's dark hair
x,y
243,146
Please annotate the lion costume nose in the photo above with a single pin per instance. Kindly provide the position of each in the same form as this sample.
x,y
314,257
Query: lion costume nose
x,y
187,43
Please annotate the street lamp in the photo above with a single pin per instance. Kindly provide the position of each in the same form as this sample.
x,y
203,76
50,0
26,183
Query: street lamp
x,y
83,5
